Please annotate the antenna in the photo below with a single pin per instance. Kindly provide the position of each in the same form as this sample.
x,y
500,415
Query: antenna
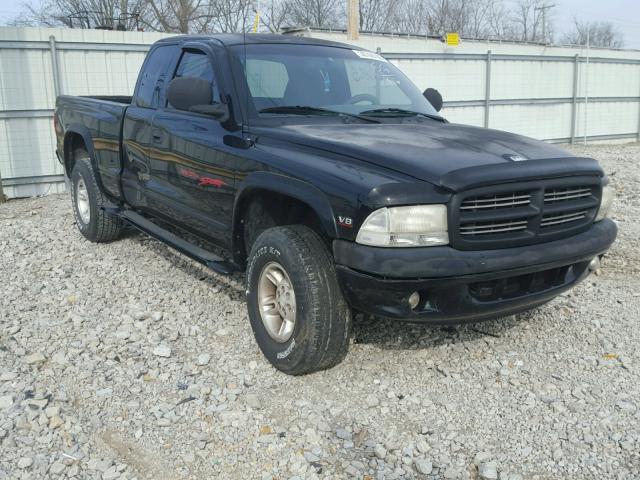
x,y
245,125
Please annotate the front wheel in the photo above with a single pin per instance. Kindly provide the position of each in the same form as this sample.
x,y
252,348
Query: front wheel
x,y
298,314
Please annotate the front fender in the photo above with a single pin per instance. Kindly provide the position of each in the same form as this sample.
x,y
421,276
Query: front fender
x,y
284,185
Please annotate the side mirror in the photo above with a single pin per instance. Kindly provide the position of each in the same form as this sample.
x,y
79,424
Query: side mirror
x,y
434,98
185,92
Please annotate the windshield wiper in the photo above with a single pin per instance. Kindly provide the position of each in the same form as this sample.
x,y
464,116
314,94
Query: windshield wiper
x,y
399,112
309,110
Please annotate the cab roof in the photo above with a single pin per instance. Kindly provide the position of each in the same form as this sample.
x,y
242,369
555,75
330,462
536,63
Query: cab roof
x,y
230,39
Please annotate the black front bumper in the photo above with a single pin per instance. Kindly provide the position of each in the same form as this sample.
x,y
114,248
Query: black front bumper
x,y
458,286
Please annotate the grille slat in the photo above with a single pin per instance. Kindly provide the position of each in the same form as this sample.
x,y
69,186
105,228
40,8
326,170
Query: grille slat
x,y
508,200
563,194
483,228
549,220
524,213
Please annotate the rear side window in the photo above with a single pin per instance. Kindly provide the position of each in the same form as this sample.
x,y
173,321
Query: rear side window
x,y
197,64
154,70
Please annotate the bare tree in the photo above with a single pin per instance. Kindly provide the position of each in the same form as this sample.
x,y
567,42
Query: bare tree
x,y
274,14
409,16
376,15
601,34
228,16
481,17
317,13
446,16
528,21
174,15
82,13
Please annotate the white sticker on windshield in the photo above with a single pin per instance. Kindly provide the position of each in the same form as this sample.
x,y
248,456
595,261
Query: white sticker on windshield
x,y
369,55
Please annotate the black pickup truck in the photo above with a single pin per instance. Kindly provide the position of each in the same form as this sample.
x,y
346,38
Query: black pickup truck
x,y
335,184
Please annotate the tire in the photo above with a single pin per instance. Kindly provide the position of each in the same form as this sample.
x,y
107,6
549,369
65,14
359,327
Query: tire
x,y
319,337
88,202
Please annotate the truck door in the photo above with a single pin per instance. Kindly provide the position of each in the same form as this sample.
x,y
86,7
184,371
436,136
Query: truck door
x,y
192,170
136,131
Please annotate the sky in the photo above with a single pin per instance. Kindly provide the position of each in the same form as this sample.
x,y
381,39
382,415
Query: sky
x,y
624,14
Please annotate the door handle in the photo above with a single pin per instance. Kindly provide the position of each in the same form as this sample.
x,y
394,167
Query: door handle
x,y
157,135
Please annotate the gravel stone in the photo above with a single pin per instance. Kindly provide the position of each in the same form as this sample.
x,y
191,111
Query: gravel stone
x,y
554,392
372,400
25,462
253,401
488,471
6,401
57,468
379,451
34,358
162,350
203,359
423,465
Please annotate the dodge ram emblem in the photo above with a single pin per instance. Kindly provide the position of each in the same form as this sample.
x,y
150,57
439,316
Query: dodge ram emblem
x,y
515,157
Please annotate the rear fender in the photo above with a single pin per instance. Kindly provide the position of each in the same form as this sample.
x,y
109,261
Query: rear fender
x,y
85,134
71,131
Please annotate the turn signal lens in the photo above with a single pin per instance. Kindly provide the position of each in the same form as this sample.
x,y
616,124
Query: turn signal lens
x,y
608,194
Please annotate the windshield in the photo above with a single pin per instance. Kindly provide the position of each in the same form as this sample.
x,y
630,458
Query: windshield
x,y
330,78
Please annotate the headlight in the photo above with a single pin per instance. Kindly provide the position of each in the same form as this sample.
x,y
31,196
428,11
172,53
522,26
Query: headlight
x,y
414,226
608,194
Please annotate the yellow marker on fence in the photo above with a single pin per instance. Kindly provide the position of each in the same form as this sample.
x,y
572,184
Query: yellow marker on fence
x,y
452,38
256,22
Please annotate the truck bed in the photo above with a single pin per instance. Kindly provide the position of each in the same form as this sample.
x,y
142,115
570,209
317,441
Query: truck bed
x,y
98,119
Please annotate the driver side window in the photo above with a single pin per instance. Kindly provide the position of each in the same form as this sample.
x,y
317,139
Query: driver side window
x,y
195,63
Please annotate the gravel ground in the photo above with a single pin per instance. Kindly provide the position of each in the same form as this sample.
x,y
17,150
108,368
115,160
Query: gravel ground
x,y
129,361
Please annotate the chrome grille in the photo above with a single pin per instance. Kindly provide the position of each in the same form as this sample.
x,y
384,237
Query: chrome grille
x,y
501,200
556,219
568,193
483,228
523,213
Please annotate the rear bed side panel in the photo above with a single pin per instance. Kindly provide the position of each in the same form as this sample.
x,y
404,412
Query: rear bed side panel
x,y
99,124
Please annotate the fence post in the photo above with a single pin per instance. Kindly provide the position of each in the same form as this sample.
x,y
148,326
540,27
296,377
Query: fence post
x,y
487,90
638,137
54,66
2,197
574,106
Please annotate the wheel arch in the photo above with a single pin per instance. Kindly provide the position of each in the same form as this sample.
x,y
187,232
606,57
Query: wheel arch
x,y
77,136
275,185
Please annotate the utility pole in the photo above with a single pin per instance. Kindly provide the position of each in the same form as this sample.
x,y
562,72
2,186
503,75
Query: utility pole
x,y
586,86
544,9
353,19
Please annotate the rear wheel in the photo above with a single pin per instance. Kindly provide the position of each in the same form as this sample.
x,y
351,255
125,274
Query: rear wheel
x,y
89,202
298,314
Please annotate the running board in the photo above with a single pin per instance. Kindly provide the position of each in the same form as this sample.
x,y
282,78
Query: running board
x,y
210,260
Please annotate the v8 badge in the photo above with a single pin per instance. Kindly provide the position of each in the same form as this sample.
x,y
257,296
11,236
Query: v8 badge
x,y
345,222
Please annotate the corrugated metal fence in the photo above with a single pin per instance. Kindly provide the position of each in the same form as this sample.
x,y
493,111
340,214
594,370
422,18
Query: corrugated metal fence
x,y
550,93
36,65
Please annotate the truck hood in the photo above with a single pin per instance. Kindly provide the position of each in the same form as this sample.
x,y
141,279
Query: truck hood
x,y
426,151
